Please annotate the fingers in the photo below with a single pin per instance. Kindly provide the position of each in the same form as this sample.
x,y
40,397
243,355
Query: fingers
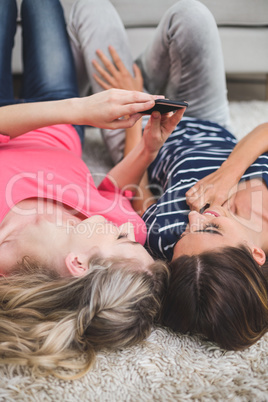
x,y
177,116
206,206
126,122
169,121
106,62
130,109
198,197
155,121
128,97
192,190
105,108
116,59
108,77
121,102
138,78
102,83
137,71
130,121
104,74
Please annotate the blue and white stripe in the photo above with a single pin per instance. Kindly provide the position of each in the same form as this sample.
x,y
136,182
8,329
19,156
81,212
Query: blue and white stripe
x,y
194,150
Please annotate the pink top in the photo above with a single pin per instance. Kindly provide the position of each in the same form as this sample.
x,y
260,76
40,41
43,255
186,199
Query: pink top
x,y
47,163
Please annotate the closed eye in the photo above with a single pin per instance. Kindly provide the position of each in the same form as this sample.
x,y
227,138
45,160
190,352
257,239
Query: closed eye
x,y
210,228
122,236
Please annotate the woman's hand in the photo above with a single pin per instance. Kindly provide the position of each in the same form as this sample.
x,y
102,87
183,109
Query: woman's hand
x,y
158,129
131,169
213,189
219,186
116,75
106,109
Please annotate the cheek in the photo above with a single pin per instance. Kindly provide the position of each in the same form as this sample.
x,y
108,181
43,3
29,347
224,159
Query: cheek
x,y
10,255
243,205
240,227
180,248
136,252
193,244
147,258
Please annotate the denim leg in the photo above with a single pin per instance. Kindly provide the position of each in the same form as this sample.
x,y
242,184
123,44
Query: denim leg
x,y
49,71
8,16
184,61
95,24
48,64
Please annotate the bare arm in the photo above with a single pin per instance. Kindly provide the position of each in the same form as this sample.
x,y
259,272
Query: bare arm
x,y
143,196
104,110
217,187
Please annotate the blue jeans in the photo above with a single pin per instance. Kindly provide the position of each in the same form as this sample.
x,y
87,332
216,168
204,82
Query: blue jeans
x,y
49,71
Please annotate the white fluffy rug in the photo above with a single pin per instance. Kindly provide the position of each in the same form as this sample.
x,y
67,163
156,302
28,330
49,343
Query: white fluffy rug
x,y
167,367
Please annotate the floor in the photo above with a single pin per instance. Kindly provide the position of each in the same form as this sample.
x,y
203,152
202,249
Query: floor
x,y
246,87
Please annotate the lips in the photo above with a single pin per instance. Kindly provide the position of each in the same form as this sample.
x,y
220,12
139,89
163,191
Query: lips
x,y
212,213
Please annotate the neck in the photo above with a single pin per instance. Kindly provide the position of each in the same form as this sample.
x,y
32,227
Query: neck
x,y
43,235
29,211
250,203
264,232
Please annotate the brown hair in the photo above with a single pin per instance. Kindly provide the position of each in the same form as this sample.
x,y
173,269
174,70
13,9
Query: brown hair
x,y
221,295
47,322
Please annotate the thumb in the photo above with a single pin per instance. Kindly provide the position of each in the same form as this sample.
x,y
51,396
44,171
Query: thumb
x,y
155,118
155,121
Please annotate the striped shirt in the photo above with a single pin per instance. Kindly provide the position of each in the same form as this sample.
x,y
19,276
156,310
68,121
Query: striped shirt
x,y
194,150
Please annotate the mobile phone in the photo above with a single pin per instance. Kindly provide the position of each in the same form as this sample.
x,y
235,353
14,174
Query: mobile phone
x,y
165,106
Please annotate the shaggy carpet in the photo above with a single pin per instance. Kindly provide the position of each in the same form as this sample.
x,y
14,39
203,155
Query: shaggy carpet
x,y
167,367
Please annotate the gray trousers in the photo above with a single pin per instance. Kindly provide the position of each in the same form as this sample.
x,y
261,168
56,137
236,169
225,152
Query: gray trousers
x,y
184,60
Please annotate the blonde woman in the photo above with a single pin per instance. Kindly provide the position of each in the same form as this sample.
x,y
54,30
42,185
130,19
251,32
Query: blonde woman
x,y
74,274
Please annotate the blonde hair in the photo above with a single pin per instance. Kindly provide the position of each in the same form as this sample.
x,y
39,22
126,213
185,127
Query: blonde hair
x,y
48,322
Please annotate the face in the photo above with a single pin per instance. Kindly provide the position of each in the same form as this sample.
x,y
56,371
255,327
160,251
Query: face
x,y
50,244
215,227
97,235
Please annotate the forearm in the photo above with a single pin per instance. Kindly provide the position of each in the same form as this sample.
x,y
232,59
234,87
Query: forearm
x,y
129,172
22,118
143,197
248,150
133,136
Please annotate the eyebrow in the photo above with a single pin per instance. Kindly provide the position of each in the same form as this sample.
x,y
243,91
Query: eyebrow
x,y
130,242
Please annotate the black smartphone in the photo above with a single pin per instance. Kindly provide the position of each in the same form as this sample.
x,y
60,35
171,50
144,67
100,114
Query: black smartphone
x,y
165,106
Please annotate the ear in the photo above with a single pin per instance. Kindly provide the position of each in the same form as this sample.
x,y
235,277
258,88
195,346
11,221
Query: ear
x,y
75,265
258,255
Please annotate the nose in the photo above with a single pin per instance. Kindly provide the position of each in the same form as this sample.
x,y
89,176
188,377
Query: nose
x,y
196,220
96,219
128,228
